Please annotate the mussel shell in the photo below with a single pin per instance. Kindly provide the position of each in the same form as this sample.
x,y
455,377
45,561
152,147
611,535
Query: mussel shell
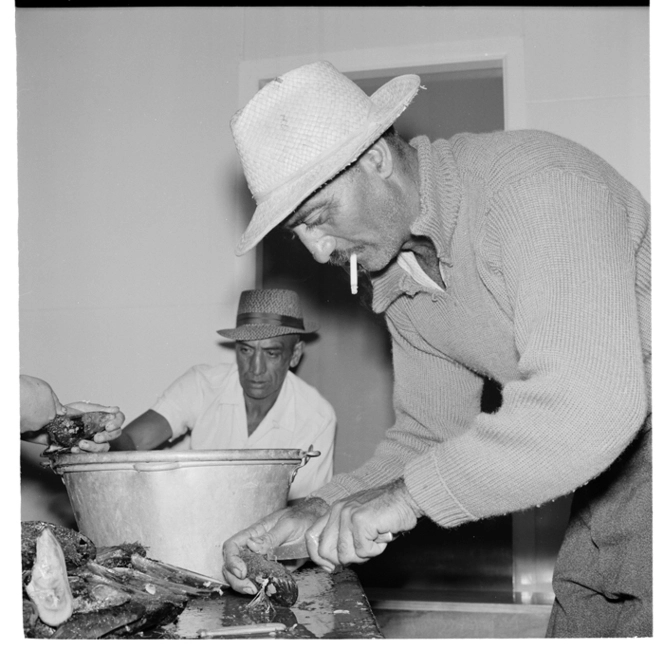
x,y
65,432
78,548
281,588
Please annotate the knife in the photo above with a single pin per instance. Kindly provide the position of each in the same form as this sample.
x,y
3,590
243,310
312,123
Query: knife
x,y
298,550
238,630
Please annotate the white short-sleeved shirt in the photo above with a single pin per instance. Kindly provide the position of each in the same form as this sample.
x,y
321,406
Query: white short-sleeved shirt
x,y
208,401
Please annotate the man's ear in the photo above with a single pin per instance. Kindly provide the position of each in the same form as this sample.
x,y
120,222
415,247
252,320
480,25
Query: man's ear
x,y
378,159
298,350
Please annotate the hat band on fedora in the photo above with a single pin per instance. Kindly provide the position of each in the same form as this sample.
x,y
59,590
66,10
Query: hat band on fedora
x,y
259,318
259,197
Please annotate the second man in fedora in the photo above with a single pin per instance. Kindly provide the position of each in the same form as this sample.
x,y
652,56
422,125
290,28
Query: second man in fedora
x,y
252,403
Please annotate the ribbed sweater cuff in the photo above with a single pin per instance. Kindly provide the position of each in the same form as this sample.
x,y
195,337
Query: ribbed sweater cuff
x,y
428,489
330,493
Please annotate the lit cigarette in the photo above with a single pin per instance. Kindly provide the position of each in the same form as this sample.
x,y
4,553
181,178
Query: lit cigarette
x,y
353,273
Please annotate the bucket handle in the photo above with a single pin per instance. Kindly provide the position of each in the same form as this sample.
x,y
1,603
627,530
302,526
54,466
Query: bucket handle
x,y
306,455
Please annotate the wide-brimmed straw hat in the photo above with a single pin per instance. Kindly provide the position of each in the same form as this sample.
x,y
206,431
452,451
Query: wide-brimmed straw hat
x,y
265,313
303,128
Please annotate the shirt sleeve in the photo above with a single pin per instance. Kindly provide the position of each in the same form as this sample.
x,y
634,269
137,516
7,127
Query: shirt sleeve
x,y
183,400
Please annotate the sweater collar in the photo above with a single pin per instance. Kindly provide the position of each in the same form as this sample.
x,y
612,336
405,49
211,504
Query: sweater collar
x,y
440,197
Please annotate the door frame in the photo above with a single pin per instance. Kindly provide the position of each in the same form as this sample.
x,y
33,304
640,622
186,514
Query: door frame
x,y
452,54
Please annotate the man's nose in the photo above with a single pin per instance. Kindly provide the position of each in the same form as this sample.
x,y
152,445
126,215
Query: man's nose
x,y
257,363
320,246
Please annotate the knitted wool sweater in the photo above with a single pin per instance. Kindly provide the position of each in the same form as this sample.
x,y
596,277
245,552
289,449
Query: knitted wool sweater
x,y
545,252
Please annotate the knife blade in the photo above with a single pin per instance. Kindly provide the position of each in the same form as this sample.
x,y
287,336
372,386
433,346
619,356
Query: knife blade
x,y
291,551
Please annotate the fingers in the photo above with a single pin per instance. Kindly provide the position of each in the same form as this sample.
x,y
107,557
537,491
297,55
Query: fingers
x,y
241,586
112,429
262,544
234,567
323,557
91,447
88,407
270,536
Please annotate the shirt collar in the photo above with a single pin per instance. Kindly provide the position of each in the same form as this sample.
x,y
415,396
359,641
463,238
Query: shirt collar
x,y
279,416
440,197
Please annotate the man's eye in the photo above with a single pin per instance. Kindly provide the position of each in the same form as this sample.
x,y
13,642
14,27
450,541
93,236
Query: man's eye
x,y
315,221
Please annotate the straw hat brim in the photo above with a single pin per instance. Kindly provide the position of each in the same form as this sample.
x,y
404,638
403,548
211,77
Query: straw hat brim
x,y
390,100
255,332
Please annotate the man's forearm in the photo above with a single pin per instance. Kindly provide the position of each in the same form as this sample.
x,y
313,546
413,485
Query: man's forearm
x,y
147,431
123,443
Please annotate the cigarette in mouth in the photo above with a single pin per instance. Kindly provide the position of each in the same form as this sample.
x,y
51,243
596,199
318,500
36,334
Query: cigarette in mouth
x,y
353,273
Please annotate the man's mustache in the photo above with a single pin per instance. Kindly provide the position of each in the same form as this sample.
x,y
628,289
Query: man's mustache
x,y
339,258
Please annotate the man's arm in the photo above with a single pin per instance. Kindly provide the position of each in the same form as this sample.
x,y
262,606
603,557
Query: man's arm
x,y
39,404
147,431
566,261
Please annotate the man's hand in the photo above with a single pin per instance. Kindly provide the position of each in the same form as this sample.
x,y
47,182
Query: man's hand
x,y
39,405
112,429
354,528
283,526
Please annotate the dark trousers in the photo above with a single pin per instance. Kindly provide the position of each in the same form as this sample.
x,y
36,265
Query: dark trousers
x,y
603,575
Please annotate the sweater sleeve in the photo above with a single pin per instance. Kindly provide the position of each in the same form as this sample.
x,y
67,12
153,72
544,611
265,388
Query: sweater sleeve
x,y
568,267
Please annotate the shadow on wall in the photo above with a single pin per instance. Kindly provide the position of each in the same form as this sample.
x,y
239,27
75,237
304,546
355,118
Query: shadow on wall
x,y
245,202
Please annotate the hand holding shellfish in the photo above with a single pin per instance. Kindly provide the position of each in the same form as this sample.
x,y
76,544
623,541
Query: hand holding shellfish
x,y
111,429
284,526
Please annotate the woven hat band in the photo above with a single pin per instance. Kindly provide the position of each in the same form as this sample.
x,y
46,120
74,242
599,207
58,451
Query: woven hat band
x,y
258,318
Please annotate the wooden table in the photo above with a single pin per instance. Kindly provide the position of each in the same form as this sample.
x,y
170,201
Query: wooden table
x,y
328,607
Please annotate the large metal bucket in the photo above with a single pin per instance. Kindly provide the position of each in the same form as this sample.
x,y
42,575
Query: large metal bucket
x,y
180,505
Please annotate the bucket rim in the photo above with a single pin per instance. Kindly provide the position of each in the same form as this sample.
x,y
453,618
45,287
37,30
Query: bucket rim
x,y
174,456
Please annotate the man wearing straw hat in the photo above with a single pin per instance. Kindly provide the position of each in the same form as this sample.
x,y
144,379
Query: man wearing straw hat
x,y
255,402
516,256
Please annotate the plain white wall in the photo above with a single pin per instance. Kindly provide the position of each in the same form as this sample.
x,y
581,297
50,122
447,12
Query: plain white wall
x,y
130,193
127,202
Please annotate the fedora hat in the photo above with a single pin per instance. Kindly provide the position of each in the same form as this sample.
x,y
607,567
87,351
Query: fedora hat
x,y
303,128
265,313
